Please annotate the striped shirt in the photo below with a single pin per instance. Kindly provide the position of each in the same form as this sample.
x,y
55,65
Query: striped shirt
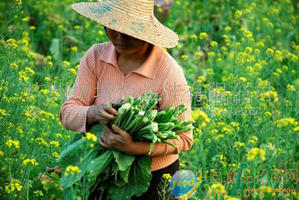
x,y
100,81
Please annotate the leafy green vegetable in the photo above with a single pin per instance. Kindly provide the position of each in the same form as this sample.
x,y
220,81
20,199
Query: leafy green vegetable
x,y
121,175
138,182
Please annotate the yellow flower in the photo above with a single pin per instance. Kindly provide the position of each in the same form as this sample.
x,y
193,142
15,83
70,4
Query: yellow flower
x,y
50,64
253,140
285,67
73,71
14,65
243,79
14,185
28,115
249,70
202,116
66,63
38,193
167,177
269,95
2,113
194,37
74,49
55,155
220,123
29,70
219,137
248,49
230,198
32,27
210,71
201,79
264,189
214,43
41,141
47,114
227,28
291,88
14,143
254,152
238,14
77,27
45,91
31,161
1,153
267,114
286,122
12,43
238,144
100,32
72,170
219,111
199,54
203,35
19,2
91,137
278,55
213,131
211,54
54,143
217,189
270,51
26,19
235,124
184,57
227,130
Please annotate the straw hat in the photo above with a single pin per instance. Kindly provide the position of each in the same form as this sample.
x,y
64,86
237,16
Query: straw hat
x,y
132,17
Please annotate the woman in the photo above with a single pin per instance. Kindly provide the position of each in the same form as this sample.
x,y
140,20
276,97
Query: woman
x,y
131,63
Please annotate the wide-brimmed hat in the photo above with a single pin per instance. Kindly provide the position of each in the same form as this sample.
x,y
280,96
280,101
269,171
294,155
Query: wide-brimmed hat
x,y
132,17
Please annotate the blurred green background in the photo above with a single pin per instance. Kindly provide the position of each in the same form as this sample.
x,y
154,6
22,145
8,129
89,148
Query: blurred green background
x,y
240,59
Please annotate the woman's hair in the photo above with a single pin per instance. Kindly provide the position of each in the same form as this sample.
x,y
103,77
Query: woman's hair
x,y
106,30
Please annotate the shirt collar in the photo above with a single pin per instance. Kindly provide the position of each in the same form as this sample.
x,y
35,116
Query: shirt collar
x,y
149,68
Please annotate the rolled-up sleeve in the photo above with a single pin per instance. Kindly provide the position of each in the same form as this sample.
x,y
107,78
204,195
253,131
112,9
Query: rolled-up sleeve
x,y
73,112
175,91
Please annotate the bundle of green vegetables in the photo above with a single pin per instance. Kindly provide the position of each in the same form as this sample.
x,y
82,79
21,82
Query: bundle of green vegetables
x,y
88,167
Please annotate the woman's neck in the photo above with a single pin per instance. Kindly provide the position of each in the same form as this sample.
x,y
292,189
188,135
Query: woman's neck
x,y
129,62
140,55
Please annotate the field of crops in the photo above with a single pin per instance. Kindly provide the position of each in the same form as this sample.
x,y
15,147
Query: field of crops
x,y
240,59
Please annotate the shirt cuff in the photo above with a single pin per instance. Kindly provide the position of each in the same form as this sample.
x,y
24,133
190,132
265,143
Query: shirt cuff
x,y
161,149
84,119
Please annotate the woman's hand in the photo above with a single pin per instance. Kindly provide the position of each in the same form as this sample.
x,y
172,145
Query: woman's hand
x,y
101,114
118,140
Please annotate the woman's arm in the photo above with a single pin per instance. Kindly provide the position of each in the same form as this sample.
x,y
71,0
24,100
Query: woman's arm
x,y
175,91
73,113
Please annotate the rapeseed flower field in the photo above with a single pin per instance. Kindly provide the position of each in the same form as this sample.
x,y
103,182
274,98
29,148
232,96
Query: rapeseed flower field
x,y
240,59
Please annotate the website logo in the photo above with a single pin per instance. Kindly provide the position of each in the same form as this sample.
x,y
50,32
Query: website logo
x,y
184,184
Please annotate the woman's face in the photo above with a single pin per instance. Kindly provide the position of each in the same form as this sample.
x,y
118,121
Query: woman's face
x,y
124,43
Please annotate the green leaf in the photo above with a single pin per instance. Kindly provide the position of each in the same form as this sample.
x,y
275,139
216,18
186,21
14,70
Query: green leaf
x,y
72,153
123,160
69,180
97,165
54,49
139,180
124,175
97,130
